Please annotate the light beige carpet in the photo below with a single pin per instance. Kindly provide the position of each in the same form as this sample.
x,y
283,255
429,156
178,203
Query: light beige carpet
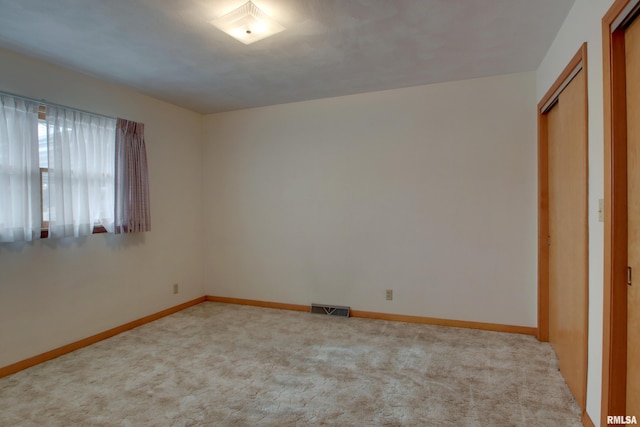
x,y
227,365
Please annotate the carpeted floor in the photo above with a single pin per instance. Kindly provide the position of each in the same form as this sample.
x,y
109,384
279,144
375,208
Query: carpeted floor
x,y
227,365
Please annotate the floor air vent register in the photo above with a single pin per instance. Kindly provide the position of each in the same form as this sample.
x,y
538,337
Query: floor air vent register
x,y
330,310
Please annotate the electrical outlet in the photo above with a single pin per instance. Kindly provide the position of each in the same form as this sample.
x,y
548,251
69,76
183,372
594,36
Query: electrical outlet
x,y
389,294
176,288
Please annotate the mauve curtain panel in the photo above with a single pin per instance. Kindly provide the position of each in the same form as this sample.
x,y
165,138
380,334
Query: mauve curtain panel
x,y
132,207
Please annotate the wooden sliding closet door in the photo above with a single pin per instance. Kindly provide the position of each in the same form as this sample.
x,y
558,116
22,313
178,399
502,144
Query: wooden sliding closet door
x,y
568,231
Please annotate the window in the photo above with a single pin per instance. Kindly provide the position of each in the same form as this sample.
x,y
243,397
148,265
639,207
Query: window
x,y
65,172
43,160
47,210
76,164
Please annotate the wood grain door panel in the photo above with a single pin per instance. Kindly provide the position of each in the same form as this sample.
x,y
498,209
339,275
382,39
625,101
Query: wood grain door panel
x,y
568,231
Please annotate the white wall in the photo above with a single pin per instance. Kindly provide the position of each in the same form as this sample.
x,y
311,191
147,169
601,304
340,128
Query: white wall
x,y
429,191
584,24
56,292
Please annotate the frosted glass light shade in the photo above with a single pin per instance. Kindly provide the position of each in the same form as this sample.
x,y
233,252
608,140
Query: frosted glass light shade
x,y
248,24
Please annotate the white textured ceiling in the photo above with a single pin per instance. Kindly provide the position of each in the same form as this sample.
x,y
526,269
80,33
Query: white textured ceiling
x,y
168,48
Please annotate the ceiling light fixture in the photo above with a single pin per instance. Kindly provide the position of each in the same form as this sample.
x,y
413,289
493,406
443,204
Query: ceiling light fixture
x,y
248,24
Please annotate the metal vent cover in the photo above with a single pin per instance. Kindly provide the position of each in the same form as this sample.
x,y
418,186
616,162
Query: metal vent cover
x,y
330,310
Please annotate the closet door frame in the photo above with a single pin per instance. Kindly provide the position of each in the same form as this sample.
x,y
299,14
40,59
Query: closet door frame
x,y
614,348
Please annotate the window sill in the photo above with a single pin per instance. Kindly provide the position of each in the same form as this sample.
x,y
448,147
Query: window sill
x,y
44,233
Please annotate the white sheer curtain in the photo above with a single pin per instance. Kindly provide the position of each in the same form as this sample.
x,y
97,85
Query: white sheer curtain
x,y
20,215
81,172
